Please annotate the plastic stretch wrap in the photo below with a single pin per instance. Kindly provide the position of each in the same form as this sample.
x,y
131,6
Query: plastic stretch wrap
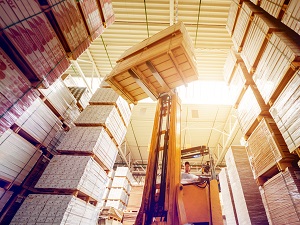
x,y
28,30
87,176
16,94
93,140
16,163
247,199
250,108
226,193
286,111
103,115
109,96
276,65
291,16
55,209
40,122
281,197
266,147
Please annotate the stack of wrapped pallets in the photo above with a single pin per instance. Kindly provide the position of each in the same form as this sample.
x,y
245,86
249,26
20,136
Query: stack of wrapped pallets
x,y
120,189
246,196
269,110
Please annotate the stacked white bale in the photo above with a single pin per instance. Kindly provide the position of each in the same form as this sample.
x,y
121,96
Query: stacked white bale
x,y
247,199
18,157
281,197
40,122
122,182
55,209
80,173
286,111
260,29
110,177
232,60
103,115
243,23
273,7
227,197
233,13
107,96
117,204
90,140
250,110
239,83
62,100
291,16
5,195
277,65
116,194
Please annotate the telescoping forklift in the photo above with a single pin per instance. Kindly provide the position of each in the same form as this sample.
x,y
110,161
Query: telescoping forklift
x,y
142,72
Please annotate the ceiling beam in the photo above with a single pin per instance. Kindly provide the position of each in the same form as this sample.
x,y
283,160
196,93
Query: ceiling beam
x,y
94,64
75,63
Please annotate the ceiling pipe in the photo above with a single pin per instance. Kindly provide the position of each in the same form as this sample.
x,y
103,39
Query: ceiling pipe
x,y
75,63
171,12
146,17
94,64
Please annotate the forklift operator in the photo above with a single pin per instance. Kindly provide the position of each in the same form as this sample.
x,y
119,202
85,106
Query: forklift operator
x,y
186,177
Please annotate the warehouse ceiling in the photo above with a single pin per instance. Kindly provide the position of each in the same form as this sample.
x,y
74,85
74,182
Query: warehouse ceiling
x,y
136,20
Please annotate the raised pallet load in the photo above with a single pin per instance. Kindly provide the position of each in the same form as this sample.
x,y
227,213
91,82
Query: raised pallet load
x,y
124,172
281,197
286,111
61,176
16,94
278,64
16,163
227,198
291,16
106,116
107,96
250,110
39,122
232,60
68,24
55,209
274,7
244,19
234,10
92,17
247,199
31,40
156,65
239,83
256,2
61,101
90,141
267,151
260,30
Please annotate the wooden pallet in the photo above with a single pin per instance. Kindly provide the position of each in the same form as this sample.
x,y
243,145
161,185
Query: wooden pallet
x,y
154,66
74,192
243,23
